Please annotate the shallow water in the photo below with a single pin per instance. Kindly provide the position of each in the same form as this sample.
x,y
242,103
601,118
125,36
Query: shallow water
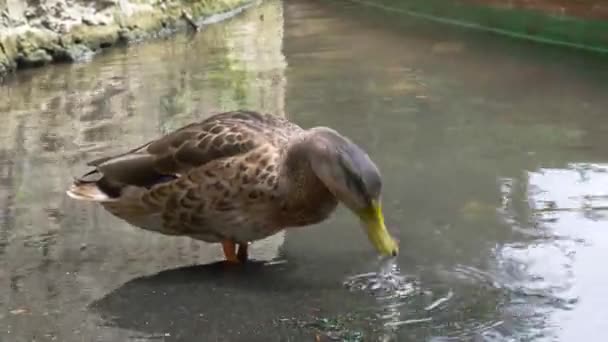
x,y
494,167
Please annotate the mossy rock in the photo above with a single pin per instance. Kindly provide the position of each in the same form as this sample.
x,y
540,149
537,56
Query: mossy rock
x,y
35,39
206,8
8,53
34,48
94,37
146,21
39,46
33,58
5,64
9,46
72,53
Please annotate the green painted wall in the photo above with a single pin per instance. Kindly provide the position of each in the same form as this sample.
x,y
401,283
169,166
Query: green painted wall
x,y
536,25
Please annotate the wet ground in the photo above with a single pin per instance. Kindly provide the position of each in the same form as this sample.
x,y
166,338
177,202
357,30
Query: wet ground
x,y
492,151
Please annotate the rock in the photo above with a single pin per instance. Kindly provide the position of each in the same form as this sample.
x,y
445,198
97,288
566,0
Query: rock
x,y
95,19
95,37
9,51
36,57
73,53
37,32
131,35
5,67
89,21
35,39
29,14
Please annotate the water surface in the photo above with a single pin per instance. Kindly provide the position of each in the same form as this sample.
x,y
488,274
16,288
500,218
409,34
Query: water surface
x,y
494,167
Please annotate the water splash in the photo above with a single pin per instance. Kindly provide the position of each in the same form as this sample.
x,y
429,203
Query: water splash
x,y
393,292
440,301
386,282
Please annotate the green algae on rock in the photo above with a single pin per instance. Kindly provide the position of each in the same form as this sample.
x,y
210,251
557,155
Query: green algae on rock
x,y
40,33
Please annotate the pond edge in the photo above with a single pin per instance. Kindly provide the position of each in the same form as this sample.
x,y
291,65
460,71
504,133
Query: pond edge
x,y
27,46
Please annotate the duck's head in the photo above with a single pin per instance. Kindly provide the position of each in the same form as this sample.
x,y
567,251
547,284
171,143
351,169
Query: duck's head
x,y
353,178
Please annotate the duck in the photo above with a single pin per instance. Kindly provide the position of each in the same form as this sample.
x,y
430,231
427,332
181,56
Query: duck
x,y
237,177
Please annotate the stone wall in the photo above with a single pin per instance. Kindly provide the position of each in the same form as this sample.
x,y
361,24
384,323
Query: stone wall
x,y
36,32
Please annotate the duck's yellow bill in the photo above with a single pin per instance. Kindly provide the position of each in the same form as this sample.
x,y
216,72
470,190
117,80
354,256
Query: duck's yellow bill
x,y
373,219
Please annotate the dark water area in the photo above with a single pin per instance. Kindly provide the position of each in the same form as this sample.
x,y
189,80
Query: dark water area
x,y
495,182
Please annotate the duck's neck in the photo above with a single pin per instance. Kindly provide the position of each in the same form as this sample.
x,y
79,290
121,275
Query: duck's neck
x,y
306,197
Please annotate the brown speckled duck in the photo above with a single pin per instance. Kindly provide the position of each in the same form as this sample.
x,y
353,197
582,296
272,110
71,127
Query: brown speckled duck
x,y
238,177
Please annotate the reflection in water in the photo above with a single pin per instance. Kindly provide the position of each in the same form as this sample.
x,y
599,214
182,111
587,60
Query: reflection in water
x,y
57,255
557,270
571,204
453,137
483,145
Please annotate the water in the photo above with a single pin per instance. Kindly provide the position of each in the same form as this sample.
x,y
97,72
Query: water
x,y
492,153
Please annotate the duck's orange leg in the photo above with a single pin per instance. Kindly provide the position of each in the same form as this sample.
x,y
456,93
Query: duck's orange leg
x,y
229,248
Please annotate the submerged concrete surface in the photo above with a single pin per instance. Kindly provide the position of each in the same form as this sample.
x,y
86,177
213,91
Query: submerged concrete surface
x,y
35,32
56,274
492,154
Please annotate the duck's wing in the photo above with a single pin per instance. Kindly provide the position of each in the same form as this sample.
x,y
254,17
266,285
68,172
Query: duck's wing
x,y
167,158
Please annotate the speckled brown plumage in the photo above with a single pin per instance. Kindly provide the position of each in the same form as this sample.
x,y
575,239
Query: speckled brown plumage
x,y
225,178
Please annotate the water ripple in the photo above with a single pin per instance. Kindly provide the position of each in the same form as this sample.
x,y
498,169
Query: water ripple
x,y
385,283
